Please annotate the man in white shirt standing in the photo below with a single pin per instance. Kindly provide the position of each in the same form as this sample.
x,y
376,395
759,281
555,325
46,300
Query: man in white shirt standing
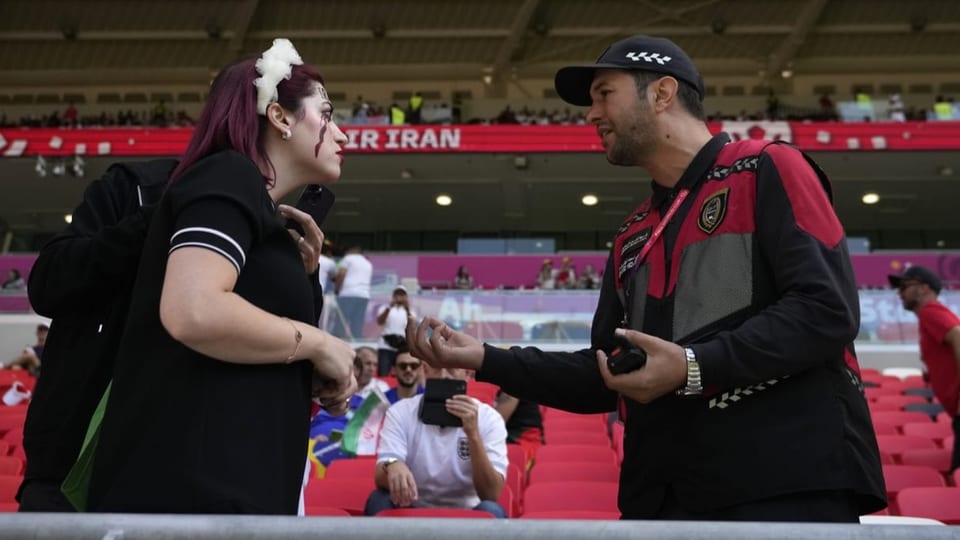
x,y
353,293
424,465
393,319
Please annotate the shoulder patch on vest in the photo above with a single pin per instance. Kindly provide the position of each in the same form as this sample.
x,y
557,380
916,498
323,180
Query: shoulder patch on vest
x,y
713,210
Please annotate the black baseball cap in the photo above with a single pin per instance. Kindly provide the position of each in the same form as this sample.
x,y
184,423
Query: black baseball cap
x,y
639,52
917,273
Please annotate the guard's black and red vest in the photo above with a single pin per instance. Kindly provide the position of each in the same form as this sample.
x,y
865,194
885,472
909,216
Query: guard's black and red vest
x,y
742,441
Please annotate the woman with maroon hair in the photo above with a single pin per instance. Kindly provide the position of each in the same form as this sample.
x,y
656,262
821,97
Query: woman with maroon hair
x,y
210,403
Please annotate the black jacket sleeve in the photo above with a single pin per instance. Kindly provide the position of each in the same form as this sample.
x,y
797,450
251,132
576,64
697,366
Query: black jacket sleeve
x,y
817,313
103,242
569,381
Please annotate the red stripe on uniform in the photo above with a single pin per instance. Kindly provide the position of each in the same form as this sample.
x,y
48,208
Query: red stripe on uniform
x,y
811,207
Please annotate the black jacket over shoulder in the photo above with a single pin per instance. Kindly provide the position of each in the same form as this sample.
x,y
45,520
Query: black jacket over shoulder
x,y
753,275
82,279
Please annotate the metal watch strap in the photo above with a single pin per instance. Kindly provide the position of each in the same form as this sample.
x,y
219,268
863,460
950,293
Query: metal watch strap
x,y
694,385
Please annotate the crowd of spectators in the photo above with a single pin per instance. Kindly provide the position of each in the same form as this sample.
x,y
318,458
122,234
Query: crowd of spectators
x,y
417,111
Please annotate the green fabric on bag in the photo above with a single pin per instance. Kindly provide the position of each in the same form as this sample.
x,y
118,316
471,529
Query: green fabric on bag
x,y
76,485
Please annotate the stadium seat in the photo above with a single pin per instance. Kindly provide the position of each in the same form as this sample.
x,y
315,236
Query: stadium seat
x,y
576,453
588,515
899,418
939,503
932,430
930,409
5,447
567,472
435,513
937,458
896,444
8,488
517,456
359,468
573,437
883,428
886,459
925,393
559,496
506,500
11,466
348,494
483,391
8,507
516,480
898,477
897,402
326,511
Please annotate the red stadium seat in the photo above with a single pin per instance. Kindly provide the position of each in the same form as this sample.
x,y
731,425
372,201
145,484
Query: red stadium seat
x,y
886,459
940,503
898,477
572,437
435,513
883,428
517,456
896,444
9,507
576,453
483,391
8,488
517,482
937,458
350,495
588,515
899,418
359,468
896,401
932,430
559,496
11,466
326,511
506,501
566,472
5,448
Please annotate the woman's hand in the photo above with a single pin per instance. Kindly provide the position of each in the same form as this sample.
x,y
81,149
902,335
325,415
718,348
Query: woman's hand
x,y
333,370
311,243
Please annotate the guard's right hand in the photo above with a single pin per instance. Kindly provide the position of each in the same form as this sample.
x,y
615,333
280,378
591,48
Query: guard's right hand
x,y
333,363
445,348
403,488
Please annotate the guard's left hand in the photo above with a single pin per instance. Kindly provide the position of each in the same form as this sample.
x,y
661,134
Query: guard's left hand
x,y
311,243
466,409
665,371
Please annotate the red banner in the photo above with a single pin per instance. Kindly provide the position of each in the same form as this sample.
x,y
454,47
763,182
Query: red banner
x,y
823,136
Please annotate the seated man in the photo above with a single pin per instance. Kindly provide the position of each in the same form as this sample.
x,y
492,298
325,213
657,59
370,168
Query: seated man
x,y
524,425
29,358
408,377
450,467
364,369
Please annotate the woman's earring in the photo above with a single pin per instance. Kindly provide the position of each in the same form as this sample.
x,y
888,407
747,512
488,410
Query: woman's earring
x,y
286,134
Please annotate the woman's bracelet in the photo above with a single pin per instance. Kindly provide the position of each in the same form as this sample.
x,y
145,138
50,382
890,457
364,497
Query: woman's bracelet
x,y
298,336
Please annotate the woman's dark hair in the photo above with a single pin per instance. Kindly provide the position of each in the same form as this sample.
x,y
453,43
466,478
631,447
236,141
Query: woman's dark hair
x,y
230,120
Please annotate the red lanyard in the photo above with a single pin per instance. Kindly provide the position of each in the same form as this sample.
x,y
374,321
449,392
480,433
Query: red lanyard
x,y
658,232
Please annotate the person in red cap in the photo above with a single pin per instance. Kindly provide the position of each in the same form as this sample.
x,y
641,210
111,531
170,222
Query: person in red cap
x,y
919,290
734,282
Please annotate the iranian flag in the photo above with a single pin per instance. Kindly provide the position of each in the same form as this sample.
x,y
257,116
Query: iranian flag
x,y
362,433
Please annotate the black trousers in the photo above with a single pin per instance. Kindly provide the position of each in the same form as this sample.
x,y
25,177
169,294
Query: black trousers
x,y
811,506
43,496
386,360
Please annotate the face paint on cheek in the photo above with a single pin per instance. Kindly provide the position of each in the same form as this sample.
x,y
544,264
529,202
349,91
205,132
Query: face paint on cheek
x,y
323,132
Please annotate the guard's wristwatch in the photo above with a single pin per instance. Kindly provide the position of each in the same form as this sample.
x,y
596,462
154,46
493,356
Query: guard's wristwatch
x,y
694,385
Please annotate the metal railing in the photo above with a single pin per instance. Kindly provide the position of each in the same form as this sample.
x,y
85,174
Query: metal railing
x,y
174,527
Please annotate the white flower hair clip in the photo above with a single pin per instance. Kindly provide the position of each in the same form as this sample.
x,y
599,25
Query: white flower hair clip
x,y
274,65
